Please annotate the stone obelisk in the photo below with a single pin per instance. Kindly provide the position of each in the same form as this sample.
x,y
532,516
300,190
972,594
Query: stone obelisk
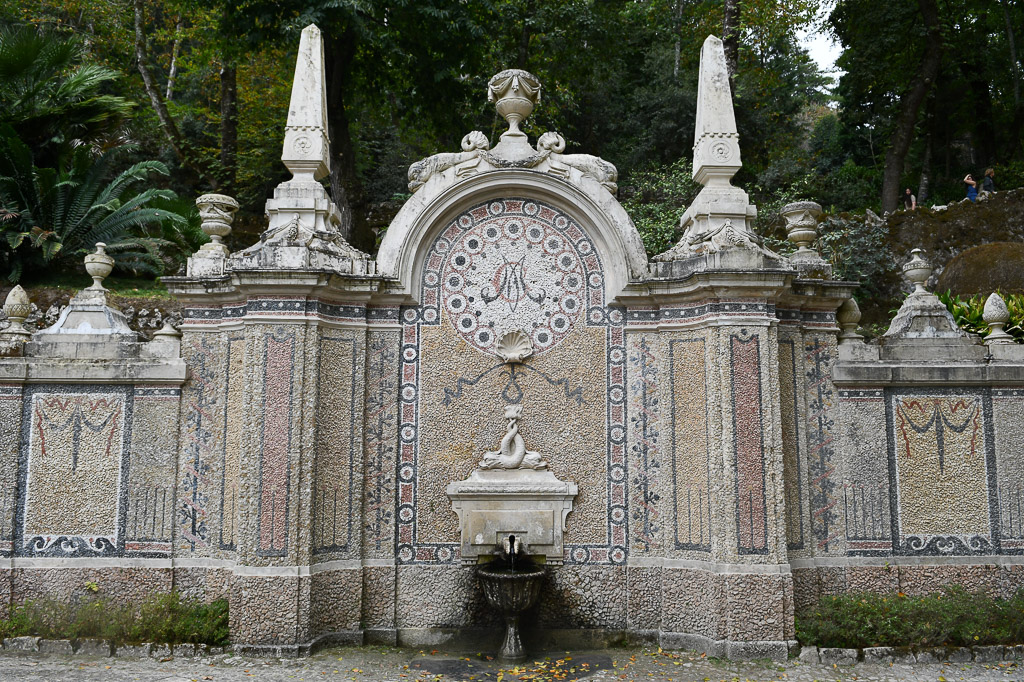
x,y
721,216
305,228
306,150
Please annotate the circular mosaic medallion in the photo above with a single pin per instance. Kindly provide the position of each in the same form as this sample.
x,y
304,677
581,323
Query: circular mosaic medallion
x,y
515,265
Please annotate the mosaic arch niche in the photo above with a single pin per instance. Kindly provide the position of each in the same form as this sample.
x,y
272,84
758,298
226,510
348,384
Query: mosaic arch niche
x,y
502,265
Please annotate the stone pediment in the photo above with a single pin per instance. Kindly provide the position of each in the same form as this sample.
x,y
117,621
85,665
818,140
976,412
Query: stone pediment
x,y
444,170
580,184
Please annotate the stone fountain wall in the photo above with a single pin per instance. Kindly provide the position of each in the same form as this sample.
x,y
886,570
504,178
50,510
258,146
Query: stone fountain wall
x,y
733,461
736,457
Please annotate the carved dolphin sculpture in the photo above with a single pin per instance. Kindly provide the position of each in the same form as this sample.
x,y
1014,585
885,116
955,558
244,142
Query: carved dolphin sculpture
x,y
513,453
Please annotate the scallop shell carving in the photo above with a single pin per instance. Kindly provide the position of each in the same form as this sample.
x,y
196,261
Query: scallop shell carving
x,y
514,346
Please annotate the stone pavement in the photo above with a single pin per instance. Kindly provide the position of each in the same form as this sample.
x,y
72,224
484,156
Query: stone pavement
x,y
360,664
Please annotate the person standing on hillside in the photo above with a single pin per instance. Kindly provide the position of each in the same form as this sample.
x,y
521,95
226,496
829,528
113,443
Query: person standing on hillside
x,y
909,200
988,183
972,187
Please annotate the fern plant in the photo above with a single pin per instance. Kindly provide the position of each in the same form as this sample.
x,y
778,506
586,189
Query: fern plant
x,y
53,216
52,96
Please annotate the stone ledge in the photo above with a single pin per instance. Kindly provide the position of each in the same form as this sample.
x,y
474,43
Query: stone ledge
x,y
909,656
722,648
346,637
886,374
105,648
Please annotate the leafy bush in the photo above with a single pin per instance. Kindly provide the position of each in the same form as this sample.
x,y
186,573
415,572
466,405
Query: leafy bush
x,y
968,313
655,199
51,96
856,246
164,619
953,617
51,215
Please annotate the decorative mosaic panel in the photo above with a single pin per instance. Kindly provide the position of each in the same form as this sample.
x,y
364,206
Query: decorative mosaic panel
x,y
335,492
503,265
819,393
1008,427
748,438
10,444
792,454
380,442
276,441
231,465
942,472
645,441
864,492
151,501
690,443
74,467
200,439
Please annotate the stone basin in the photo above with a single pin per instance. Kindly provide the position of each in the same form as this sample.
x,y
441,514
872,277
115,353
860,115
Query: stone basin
x,y
511,591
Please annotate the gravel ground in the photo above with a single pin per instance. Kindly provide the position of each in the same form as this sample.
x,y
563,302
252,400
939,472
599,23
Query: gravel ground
x,y
405,665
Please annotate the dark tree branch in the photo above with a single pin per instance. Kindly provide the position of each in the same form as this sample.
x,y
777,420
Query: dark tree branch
x,y
167,123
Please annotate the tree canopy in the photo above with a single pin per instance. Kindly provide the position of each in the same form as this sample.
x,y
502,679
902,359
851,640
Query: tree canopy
x,y
928,92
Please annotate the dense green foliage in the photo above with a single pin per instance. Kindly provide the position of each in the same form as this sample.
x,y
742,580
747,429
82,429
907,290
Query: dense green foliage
x,y
54,215
53,99
953,617
968,313
163,619
210,85
61,192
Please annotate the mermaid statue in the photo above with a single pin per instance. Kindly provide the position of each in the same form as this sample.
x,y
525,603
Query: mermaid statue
x,y
513,453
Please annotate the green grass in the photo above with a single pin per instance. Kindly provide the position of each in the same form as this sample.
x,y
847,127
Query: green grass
x,y
164,619
953,617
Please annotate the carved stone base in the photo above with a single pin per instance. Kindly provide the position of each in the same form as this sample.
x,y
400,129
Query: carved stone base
x,y
528,503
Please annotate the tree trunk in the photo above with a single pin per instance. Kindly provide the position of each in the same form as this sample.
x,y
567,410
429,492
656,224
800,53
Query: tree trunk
x,y
926,170
972,67
159,106
229,125
982,121
910,105
522,58
1014,67
731,36
677,25
172,73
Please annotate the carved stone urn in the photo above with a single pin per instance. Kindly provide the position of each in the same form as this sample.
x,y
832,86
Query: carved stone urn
x,y
514,92
98,265
917,271
802,226
217,212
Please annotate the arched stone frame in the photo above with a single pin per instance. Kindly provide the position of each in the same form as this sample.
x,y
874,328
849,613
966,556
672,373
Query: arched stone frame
x,y
412,547
422,218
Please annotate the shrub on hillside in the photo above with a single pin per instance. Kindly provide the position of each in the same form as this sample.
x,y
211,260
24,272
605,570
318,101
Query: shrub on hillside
x,y
968,313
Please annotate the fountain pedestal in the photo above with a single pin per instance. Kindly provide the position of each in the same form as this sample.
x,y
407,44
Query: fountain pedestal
x,y
529,503
511,591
